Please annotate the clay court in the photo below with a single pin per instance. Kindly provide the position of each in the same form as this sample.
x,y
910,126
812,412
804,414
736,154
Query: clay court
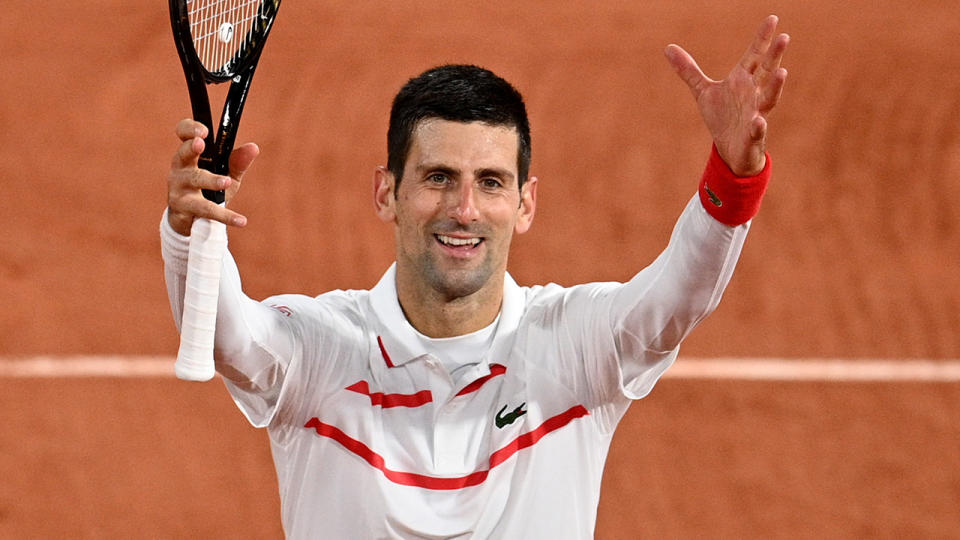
x,y
852,262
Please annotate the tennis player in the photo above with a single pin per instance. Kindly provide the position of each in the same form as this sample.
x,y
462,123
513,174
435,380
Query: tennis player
x,y
448,401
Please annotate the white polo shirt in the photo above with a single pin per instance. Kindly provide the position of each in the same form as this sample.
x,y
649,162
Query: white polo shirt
x,y
372,438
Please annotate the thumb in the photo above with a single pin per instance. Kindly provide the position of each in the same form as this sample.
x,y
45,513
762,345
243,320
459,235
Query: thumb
x,y
686,67
241,159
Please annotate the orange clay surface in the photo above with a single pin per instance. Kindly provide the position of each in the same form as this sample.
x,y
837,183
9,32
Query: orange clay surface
x,y
854,254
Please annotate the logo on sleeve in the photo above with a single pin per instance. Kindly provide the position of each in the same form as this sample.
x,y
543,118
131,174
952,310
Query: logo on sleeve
x,y
282,309
712,196
503,420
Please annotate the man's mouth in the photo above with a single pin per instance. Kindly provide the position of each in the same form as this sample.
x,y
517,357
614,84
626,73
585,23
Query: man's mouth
x,y
458,242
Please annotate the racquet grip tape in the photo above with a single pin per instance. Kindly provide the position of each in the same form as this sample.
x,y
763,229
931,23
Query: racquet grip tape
x,y
208,241
732,200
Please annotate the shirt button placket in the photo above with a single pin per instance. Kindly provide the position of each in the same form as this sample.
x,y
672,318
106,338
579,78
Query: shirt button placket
x,y
444,458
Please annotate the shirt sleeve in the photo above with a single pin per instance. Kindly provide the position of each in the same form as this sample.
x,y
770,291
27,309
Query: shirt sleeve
x,y
653,312
661,305
626,335
254,345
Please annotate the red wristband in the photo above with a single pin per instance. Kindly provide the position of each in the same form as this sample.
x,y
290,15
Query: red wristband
x,y
732,200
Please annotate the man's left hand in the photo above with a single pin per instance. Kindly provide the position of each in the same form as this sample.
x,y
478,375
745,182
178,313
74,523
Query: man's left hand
x,y
735,109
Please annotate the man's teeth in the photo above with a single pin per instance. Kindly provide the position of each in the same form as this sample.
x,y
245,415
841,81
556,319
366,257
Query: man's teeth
x,y
451,241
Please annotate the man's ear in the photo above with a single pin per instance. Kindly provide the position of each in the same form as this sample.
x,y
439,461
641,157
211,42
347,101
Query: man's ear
x,y
528,205
383,198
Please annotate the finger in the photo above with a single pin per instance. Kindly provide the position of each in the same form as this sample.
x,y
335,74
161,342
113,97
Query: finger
x,y
686,67
242,158
770,94
189,128
202,208
202,179
754,54
758,128
774,56
746,157
192,180
188,153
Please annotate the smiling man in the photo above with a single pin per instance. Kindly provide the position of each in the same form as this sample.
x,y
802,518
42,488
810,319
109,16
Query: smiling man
x,y
455,213
448,401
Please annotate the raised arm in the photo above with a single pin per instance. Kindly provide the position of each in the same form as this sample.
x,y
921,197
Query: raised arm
x,y
252,344
662,304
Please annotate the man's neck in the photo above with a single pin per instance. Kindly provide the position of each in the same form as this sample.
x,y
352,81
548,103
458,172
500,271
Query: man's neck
x,y
438,317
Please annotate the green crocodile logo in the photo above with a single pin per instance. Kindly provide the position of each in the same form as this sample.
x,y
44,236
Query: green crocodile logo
x,y
504,420
712,196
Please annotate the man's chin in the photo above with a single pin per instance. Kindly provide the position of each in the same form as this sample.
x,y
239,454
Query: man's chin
x,y
461,283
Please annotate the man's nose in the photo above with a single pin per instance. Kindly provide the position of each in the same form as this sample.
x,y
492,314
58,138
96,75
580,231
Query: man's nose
x,y
463,203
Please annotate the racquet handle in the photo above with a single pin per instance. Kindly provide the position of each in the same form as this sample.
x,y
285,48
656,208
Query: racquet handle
x,y
208,241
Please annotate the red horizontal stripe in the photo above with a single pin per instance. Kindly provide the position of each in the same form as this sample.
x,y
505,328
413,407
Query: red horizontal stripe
x,y
391,400
495,369
523,441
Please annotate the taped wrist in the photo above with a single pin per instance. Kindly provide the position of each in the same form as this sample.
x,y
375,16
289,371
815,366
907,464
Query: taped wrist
x,y
732,200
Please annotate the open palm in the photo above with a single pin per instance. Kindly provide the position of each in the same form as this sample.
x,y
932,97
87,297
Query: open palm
x,y
735,109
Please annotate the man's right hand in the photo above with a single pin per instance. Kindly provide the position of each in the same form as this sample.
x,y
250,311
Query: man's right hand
x,y
185,201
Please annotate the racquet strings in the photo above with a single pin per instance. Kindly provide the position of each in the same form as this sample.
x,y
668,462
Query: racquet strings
x,y
222,30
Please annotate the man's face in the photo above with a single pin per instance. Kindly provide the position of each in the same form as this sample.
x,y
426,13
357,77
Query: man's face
x,y
457,208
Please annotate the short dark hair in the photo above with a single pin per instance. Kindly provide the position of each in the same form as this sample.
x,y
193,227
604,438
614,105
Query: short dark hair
x,y
458,93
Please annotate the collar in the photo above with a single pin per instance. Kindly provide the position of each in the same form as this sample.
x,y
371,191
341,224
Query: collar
x,y
398,338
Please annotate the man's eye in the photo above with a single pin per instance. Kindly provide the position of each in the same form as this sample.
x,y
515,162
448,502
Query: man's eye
x,y
491,183
438,178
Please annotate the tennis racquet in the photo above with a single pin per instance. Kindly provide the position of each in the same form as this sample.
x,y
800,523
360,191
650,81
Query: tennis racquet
x,y
218,41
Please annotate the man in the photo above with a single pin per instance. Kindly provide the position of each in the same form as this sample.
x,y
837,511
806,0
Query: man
x,y
448,401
